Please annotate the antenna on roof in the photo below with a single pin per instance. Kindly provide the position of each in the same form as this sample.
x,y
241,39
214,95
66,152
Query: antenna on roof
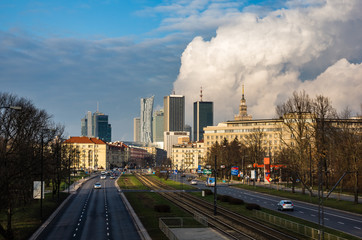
x,y
201,94
173,91
97,106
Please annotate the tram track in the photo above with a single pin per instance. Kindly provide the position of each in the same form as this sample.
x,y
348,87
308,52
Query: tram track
x,y
233,225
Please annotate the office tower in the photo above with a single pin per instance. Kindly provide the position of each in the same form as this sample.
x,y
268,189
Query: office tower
x,y
136,130
203,117
146,119
174,113
96,125
102,128
157,125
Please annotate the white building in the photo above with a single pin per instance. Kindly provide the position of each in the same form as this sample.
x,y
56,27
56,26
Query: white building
x,y
173,138
187,157
146,119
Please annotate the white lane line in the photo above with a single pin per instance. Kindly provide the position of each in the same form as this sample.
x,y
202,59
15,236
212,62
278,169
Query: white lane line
x,y
357,228
341,223
313,215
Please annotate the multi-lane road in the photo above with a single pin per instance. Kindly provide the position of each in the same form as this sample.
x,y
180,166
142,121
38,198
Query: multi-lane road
x,y
93,214
342,221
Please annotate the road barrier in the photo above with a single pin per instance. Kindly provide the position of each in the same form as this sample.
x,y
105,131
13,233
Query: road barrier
x,y
293,226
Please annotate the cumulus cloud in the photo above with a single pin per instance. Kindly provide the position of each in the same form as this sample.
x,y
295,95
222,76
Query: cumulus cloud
x,y
316,47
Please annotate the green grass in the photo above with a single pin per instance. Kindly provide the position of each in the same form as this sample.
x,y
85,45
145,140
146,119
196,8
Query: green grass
x,y
143,203
26,220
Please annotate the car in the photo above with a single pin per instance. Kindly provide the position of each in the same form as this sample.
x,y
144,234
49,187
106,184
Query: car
x,y
285,205
97,185
103,176
112,177
193,182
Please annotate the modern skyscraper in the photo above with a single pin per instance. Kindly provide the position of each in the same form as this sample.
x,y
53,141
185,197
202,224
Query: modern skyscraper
x,y
157,125
203,117
136,130
174,113
96,125
146,119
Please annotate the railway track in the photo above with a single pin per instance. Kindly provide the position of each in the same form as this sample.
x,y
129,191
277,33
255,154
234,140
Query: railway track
x,y
233,225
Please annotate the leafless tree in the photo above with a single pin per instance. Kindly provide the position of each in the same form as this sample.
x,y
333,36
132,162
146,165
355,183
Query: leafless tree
x,y
21,138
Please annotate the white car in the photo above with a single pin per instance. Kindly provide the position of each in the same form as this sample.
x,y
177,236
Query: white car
x,y
103,176
285,205
97,185
193,182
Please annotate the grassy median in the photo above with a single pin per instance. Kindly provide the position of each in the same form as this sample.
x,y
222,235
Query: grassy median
x,y
144,205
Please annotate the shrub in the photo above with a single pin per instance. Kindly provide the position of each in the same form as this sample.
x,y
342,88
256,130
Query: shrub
x,y
223,198
208,192
162,208
236,201
251,206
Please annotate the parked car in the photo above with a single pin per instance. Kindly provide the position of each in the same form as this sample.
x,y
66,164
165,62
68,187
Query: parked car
x,y
285,205
97,185
193,182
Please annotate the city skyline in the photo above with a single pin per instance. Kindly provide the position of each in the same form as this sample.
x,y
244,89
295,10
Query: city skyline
x,y
67,56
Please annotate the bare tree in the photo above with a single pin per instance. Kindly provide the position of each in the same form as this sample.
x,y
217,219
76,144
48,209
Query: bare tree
x,y
21,135
298,135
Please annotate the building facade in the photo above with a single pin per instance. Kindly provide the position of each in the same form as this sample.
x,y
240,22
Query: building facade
x,y
203,117
187,157
174,113
172,138
146,119
89,154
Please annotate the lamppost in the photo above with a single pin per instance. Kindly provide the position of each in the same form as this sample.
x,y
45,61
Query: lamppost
x,y
215,189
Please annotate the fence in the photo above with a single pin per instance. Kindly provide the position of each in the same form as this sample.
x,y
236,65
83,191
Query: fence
x,y
293,226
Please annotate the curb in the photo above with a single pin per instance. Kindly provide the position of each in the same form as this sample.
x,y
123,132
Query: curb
x,y
137,222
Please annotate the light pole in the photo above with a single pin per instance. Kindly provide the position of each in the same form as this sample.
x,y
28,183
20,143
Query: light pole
x,y
215,189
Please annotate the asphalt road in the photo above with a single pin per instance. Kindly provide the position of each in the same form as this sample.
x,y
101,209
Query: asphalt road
x,y
342,221
93,214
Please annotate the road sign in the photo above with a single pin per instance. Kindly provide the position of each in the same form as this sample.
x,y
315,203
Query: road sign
x,y
207,171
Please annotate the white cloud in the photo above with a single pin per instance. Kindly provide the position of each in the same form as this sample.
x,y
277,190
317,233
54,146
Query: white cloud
x,y
308,47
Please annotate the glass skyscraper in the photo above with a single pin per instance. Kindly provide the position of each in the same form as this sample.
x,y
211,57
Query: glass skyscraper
x,y
174,113
96,125
203,117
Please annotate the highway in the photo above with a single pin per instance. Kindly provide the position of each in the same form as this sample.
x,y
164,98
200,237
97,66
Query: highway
x,y
93,214
342,221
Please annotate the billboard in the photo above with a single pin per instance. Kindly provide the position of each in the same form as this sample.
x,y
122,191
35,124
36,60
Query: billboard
x,y
235,171
37,189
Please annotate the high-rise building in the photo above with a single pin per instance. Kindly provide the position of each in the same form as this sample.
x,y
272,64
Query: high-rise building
x,y
203,117
136,130
146,119
174,113
96,125
157,126
172,137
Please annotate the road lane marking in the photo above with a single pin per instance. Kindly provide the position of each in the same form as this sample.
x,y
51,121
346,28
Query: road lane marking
x,y
357,228
341,223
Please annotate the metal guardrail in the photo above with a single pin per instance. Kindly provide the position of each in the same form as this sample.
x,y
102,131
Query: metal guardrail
x,y
293,226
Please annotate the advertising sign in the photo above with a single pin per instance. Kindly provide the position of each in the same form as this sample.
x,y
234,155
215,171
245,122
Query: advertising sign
x,y
234,171
37,189
252,174
267,170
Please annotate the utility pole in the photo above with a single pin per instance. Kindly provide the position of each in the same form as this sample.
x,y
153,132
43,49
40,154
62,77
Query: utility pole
x,y
215,193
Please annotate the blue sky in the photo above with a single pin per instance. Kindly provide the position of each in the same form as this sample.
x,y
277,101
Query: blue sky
x,y
66,56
